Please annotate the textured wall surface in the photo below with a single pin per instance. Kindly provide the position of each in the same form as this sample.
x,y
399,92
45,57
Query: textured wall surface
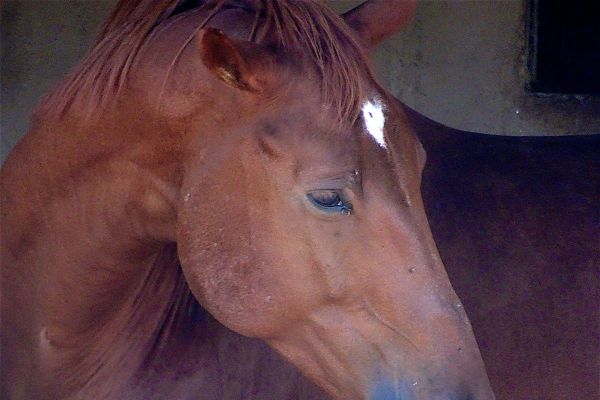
x,y
459,62
41,41
464,63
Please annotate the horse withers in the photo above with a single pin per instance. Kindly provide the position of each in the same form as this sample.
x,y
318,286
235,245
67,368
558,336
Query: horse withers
x,y
241,156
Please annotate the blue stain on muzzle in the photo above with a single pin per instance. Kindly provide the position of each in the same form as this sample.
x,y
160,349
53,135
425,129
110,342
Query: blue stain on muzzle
x,y
386,390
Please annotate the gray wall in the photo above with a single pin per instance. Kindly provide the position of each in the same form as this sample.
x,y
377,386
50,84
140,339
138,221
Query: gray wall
x,y
459,62
463,63
40,42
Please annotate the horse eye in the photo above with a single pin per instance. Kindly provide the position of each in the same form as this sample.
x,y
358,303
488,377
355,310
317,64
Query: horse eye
x,y
326,198
330,201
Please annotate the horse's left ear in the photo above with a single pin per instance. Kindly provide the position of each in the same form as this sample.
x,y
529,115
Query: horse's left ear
x,y
233,62
376,20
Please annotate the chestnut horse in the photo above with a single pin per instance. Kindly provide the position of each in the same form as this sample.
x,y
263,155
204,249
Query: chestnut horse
x,y
237,155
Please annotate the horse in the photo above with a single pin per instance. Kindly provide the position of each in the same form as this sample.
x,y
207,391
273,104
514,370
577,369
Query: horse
x,y
221,167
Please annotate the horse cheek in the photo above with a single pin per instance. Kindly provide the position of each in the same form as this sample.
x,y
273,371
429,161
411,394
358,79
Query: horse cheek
x,y
225,273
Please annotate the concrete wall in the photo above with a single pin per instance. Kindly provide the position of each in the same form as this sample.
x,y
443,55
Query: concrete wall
x,y
464,63
40,42
459,62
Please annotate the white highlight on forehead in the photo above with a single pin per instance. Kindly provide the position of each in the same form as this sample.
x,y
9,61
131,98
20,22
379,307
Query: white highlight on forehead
x,y
374,120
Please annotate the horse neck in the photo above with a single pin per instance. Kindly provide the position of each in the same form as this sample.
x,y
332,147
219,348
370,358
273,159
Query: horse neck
x,y
93,211
91,231
67,173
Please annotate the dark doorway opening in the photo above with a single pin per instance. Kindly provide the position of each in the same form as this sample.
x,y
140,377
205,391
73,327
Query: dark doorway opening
x,y
564,46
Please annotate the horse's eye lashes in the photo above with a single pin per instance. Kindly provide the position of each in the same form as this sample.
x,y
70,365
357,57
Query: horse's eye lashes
x,y
330,201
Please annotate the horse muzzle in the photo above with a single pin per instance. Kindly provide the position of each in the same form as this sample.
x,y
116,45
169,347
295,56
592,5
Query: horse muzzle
x,y
406,390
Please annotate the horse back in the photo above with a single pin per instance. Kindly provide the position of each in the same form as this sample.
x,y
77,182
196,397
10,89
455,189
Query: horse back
x,y
516,223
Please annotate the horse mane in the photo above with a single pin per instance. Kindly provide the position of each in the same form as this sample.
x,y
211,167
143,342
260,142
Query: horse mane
x,y
305,26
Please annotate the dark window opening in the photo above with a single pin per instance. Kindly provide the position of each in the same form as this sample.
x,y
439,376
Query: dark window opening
x,y
565,46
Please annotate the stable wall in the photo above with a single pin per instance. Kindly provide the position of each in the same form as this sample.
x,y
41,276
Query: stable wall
x,y
461,63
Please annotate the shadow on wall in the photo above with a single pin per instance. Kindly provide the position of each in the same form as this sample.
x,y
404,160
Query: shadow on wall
x,y
460,63
41,41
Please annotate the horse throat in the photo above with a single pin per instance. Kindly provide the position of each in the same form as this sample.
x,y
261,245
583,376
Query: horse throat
x,y
158,309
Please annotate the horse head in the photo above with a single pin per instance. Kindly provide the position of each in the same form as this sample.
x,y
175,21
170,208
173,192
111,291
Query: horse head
x,y
254,136
300,219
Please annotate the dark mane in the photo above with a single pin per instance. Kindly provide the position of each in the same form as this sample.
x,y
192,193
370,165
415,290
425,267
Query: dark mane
x,y
306,26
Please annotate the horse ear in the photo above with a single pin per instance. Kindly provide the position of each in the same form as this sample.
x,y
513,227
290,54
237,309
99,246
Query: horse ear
x,y
376,20
229,60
